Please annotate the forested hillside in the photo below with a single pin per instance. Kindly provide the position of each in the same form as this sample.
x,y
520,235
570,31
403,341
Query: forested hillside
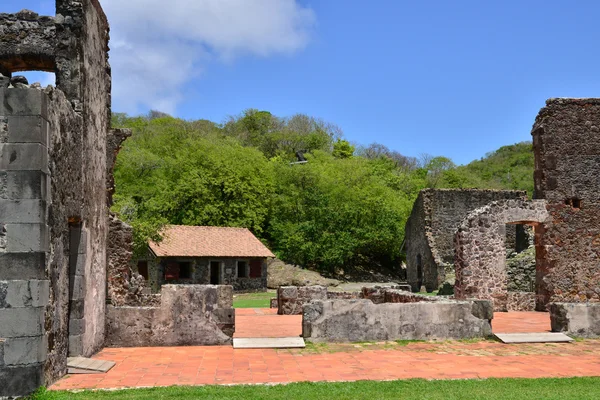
x,y
345,207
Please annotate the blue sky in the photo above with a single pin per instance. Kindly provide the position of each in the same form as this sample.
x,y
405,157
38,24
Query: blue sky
x,y
455,78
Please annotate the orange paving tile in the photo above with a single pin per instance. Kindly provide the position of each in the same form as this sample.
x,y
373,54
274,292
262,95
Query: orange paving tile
x,y
143,367
521,322
264,322
201,365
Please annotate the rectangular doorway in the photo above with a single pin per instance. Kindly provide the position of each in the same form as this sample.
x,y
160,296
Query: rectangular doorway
x,y
215,273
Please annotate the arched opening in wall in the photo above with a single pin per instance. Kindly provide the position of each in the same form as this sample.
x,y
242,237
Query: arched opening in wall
x,y
522,273
420,277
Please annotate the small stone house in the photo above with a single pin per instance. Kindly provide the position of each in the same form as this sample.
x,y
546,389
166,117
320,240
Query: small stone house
x,y
207,255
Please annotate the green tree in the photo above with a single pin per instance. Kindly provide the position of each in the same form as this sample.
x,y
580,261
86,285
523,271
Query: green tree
x,y
177,172
342,149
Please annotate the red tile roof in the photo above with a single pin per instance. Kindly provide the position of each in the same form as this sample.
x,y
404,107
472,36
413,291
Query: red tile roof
x,y
208,241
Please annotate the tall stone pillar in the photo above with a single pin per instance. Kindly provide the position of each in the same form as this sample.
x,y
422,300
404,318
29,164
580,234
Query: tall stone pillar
x,y
24,239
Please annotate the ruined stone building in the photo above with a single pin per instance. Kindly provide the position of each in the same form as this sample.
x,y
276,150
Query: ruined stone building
x,y
63,255
430,229
566,215
207,255
53,192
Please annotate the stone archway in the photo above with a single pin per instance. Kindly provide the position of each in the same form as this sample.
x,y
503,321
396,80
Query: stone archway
x,y
480,257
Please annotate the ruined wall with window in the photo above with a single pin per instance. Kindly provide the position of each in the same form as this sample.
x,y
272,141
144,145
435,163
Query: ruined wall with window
x,y
430,229
54,217
480,260
566,141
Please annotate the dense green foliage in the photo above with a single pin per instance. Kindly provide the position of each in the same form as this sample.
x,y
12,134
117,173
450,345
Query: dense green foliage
x,y
509,167
345,207
473,389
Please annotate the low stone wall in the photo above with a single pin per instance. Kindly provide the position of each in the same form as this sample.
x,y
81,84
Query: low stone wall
x,y
386,295
291,299
362,320
188,315
344,295
577,319
521,301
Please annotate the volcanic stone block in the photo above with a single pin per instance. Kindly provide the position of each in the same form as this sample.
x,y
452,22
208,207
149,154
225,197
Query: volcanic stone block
x,y
26,185
20,381
22,211
18,322
27,129
77,308
78,287
22,266
18,294
75,345
23,102
76,326
23,157
25,238
25,350
578,319
77,265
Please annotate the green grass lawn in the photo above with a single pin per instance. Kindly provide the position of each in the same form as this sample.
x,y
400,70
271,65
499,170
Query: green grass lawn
x,y
488,389
253,300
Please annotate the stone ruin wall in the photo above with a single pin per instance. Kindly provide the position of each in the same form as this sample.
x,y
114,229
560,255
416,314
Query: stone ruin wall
x,y
417,232
53,179
480,249
290,300
187,315
430,230
566,141
363,320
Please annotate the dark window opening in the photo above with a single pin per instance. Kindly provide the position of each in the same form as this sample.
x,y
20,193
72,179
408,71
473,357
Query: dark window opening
x,y
185,270
172,271
142,267
419,271
241,269
573,202
215,272
256,269
178,270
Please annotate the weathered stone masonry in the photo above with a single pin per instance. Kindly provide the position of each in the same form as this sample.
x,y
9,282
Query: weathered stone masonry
x,y
197,315
480,248
395,315
566,140
53,215
430,231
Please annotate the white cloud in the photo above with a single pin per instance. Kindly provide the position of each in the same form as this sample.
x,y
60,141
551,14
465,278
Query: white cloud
x,y
158,46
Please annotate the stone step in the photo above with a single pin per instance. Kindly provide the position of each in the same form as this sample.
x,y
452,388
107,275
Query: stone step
x,y
269,343
83,365
542,337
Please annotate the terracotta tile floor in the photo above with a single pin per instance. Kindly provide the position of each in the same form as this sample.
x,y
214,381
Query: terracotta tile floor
x,y
165,366
521,322
264,322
